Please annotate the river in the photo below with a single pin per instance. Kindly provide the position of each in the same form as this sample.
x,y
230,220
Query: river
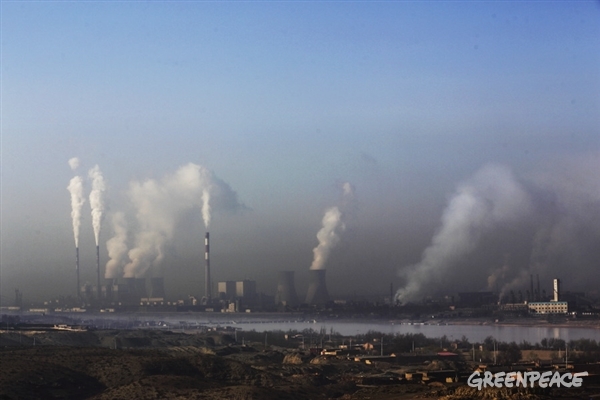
x,y
286,322
474,333
272,322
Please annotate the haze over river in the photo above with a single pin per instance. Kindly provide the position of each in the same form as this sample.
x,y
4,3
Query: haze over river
x,y
431,329
532,334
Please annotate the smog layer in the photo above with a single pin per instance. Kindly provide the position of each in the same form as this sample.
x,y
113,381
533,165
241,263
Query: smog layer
x,y
417,148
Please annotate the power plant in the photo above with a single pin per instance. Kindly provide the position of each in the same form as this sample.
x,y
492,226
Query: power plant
x,y
286,290
198,185
317,288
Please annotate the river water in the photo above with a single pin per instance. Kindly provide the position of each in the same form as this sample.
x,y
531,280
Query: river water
x,y
290,322
474,333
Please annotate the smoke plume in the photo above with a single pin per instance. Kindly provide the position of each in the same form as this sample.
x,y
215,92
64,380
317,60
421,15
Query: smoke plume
x,y
160,205
490,199
117,247
97,201
206,207
74,163
332,227
77,200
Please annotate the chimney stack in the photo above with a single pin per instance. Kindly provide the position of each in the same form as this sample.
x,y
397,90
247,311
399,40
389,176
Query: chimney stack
x,y
317,288
556,296
98,270
157,286
77,270
207,291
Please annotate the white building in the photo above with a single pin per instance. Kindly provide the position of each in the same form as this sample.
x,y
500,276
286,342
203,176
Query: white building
x,y
549,307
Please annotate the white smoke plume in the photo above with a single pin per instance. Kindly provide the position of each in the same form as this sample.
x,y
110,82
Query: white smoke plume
x,y
159,205
328,237
332,227
74,163
77,200
206,207
97,200
117,247
490,199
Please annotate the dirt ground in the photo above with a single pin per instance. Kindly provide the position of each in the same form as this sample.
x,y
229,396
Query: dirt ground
x,y
164,365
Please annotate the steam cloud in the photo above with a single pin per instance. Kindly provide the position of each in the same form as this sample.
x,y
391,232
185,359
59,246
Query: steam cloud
x,y
491,198
333,226
77,200
74,163
159,205
117,247
97,200
548,224
206,207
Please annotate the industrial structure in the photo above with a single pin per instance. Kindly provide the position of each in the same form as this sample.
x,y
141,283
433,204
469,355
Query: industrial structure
x,y
556,291
207,283
317,288
77,271
286,290
227,290
554,306
98,269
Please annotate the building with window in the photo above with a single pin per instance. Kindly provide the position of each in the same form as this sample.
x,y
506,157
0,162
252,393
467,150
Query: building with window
x,y
548,307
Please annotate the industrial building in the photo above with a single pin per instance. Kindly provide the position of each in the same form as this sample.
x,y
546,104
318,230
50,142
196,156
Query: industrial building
x,y
227,290
555,306
476,299
238,290
549,307
246,290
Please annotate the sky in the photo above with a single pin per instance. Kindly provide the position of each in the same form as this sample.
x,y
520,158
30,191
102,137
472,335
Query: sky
x,y
469,133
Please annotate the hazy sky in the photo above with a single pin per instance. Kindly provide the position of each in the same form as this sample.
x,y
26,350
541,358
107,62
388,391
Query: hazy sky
x,y
285,102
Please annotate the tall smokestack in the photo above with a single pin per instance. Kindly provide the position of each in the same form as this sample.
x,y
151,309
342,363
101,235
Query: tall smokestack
x,y
317,288
98,269
207,291
556,291
539,294
77,271
286,291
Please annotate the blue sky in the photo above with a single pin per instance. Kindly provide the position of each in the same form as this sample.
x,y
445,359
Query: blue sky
x,y
283,101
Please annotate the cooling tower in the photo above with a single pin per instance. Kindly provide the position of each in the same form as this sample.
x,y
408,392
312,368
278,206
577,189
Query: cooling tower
x,y
286,291
109,290
157,287
128,295
317,289
140,288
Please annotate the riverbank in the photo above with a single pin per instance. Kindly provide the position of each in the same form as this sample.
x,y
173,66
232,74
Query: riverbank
x,y
531,322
